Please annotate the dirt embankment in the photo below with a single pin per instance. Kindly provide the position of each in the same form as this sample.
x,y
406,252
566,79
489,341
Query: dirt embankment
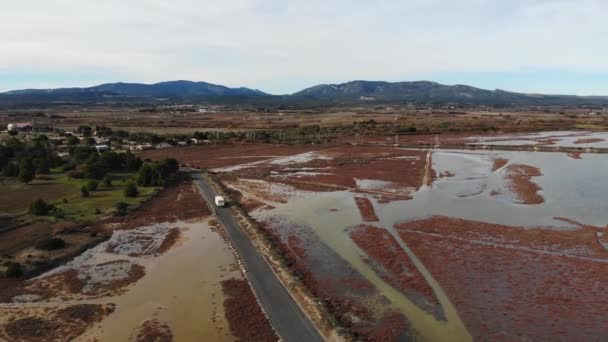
x,y
392,264
366,208
246,320
519,181
589,140
542,282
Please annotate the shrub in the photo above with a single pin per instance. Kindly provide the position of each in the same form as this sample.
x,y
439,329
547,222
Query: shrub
x,y
107,181
92,185
84,191
76,174
121,208
14,270
131,190
50,244
39,208
10,170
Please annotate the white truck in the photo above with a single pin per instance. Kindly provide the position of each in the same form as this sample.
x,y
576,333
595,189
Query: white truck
x,y
220,201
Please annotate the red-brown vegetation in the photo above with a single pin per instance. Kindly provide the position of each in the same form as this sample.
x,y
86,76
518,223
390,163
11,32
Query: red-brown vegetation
x,y
499,163
55,324
519,180
154,331
589,140
513,283
222,155
392,264
366,208
246,320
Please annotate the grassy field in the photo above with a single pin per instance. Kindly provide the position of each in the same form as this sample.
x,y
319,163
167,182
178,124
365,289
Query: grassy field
x,y
64,193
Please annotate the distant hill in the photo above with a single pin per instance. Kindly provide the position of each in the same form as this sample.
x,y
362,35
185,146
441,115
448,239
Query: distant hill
x,y
170,89
423,92
431,92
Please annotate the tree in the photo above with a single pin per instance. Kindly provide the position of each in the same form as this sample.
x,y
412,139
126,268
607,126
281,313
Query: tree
x,y
14,270
107,181
84,191
121,208
10,170
50,244
131,190
72,140
26,171
42,165
92,185
39,208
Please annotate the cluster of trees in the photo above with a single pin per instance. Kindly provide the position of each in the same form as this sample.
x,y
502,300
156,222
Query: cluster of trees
x,y
24,160
160,173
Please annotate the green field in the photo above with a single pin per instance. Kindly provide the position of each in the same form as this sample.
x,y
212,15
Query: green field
x,y
64,193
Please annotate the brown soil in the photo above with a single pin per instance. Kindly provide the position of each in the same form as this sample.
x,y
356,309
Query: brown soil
x,y
519,179
215,156
182,202
499,163
589,140
544,283
54,324
154,331
366,208
21,195
575,155
246,320
16,239
393,265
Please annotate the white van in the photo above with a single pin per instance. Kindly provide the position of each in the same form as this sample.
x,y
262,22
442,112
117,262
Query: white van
x,y
220,201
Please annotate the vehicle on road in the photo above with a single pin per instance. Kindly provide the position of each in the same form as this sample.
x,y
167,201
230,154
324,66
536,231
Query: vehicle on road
x,y
220,201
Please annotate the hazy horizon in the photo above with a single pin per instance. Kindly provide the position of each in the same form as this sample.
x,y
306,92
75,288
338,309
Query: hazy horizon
x,y
279,47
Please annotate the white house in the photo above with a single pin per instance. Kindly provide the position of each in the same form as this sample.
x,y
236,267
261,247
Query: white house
x,y
101,148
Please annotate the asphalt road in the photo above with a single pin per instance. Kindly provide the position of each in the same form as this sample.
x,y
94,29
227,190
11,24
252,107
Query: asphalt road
x,y
284,314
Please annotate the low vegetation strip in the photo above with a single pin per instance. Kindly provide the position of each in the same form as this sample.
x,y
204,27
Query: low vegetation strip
x,y
366,208
534,278
246,319
391,263
519,180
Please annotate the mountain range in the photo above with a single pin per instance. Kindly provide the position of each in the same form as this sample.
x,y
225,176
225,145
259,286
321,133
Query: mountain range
x,y
344,93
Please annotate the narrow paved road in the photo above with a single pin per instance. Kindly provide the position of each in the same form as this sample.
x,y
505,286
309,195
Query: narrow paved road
x,y
284,314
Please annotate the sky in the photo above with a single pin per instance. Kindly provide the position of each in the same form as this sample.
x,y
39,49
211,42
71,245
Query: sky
x,y
282,46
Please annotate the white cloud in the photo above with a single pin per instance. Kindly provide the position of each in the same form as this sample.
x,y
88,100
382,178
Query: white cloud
x,y
257,43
